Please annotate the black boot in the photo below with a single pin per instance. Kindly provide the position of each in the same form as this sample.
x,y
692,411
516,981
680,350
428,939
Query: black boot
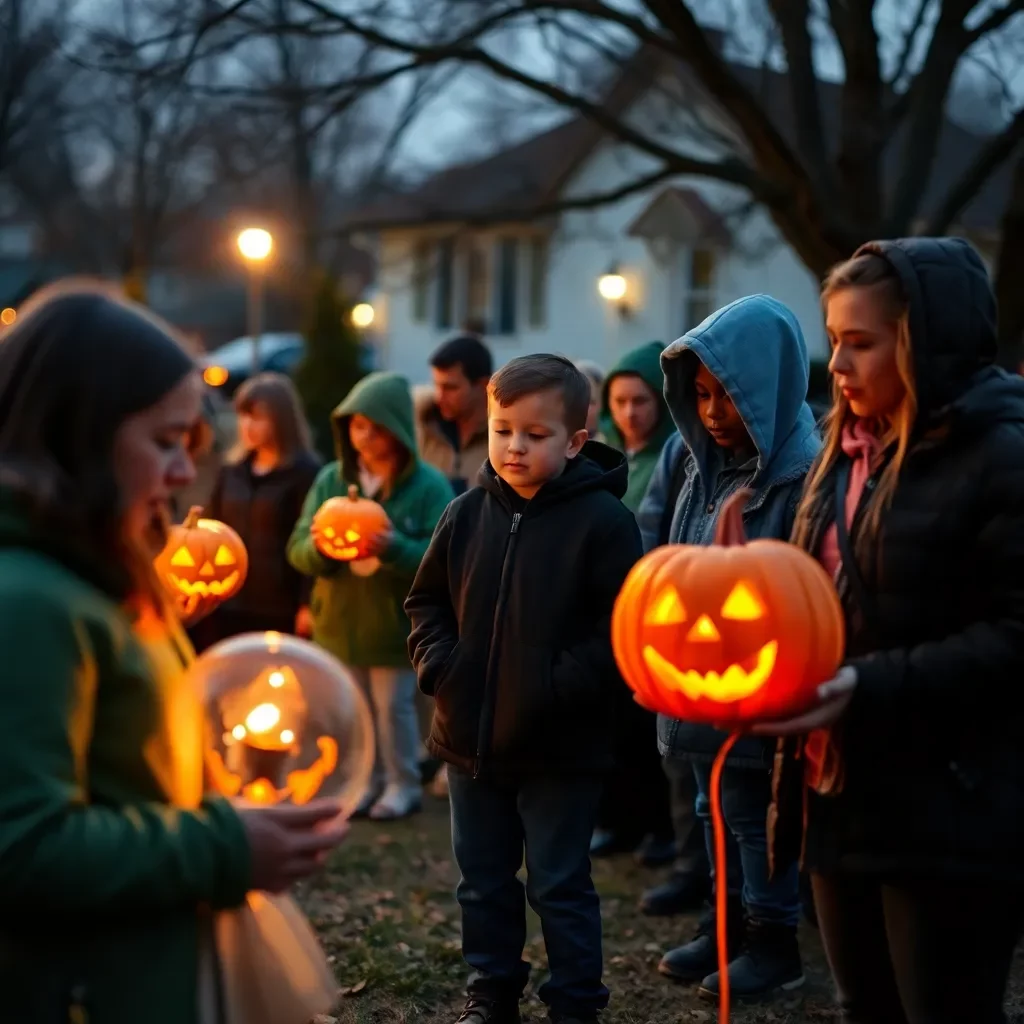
x,y
654,852
680,893
605,843
699,957
768,964
489,1011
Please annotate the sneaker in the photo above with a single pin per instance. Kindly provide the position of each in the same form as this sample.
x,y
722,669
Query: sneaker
x,y
487,1011
363,807
768,964
699,957
397,802
439,787
680,893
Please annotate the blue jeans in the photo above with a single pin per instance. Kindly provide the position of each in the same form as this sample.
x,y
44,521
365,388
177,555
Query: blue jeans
x,y
552,819
746,795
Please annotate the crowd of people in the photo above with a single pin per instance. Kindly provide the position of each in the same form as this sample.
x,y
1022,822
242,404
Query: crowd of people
x,y
478,625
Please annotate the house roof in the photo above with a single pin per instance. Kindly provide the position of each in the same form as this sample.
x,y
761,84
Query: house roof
x,y
515,182
679,213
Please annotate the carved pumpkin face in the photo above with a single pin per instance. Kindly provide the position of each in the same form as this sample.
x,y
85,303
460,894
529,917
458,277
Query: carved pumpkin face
x,y
203,563
344,526
732,633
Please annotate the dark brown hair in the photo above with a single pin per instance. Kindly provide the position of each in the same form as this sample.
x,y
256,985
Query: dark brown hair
x,y
530,375
277,394
79,360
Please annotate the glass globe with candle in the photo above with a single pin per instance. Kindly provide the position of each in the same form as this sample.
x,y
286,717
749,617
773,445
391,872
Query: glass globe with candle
x,y
286,722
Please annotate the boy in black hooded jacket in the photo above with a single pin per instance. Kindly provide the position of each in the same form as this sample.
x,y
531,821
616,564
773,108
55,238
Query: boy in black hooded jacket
x,y
511,613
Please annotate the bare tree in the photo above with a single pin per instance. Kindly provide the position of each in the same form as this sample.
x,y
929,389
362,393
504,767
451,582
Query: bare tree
x,y
34,74
834,163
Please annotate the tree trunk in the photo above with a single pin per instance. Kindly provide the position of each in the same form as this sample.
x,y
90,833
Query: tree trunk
x,y
1009,283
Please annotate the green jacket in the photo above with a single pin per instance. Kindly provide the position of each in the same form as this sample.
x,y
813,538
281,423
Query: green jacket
x,y
644,362
106,876
360,619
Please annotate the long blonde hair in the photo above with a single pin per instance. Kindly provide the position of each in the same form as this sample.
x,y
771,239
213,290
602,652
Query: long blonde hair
x,y
277,394
867,270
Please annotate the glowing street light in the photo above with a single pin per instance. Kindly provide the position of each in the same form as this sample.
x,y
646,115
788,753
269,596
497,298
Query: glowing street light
x,y
362,315
255,245
612,286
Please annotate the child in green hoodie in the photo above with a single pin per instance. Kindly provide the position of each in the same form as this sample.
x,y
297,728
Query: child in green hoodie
x,y
357,606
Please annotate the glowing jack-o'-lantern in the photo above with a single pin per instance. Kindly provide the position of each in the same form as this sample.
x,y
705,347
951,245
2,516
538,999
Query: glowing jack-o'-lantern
x,y
203,563
343,526
733,633
287,722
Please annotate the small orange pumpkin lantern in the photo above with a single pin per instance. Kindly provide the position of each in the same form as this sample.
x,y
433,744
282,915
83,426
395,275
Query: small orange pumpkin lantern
x,y
344,526
730,634
203,563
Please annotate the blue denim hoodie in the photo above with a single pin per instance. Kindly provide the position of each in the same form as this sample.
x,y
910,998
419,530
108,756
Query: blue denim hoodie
x,y
756,350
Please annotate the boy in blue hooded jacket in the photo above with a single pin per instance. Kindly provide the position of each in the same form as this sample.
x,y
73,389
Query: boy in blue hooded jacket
x,y
736,388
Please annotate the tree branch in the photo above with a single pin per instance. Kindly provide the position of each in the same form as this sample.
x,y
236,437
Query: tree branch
x,y
541,211
995,20
992,154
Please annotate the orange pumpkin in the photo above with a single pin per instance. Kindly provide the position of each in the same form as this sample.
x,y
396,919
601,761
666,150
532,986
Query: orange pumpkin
x,y
729,634
203,563
342,527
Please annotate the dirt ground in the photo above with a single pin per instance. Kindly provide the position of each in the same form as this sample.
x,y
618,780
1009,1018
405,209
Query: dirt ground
x,y
386,912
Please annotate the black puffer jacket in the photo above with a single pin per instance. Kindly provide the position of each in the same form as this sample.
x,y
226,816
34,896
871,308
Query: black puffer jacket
x,y
933,740
511,615
263,511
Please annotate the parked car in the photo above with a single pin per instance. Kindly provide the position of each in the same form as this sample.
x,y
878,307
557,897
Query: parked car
x,y
226,367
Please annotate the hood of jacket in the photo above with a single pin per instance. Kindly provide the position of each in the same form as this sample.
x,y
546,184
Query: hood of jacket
x,y
952,314
645,363
385,398
755,349
597,467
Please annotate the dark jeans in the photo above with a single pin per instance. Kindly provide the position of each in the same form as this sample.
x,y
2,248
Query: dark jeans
x,y
691,852
746,796
552,819
636,797
918,952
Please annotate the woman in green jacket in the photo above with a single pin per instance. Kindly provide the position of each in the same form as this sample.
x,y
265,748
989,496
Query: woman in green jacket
x,y
357,606
112,859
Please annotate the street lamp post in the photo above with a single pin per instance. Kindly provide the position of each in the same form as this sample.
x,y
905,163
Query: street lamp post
x,y
255,245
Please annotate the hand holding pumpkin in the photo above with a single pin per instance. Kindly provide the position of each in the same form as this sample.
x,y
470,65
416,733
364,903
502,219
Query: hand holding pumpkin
x,y
379,542
834,697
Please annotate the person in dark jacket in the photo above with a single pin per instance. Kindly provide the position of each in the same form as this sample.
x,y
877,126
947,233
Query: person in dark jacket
x,y
735,386
914,761
511,621
259,494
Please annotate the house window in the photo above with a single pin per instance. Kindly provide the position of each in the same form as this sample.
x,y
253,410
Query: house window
x,y
700,286
537,292
445,280
507,279
421,281
477,292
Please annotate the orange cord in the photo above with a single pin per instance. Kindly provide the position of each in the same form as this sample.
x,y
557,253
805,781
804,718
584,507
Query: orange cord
x,y
721,881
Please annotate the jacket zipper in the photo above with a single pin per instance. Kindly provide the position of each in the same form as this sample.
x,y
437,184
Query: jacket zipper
x,y
490,683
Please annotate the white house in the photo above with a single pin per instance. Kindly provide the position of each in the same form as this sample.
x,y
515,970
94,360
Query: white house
x,y
473,241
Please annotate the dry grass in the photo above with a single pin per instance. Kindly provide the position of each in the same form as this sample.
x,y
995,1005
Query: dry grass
x,y
388,918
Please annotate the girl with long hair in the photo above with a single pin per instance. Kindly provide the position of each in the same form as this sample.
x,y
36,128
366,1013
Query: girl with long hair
x,y
113,860
911,779
259,493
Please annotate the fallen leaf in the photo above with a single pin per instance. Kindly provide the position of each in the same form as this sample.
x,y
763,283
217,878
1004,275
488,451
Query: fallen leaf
x,y
355,989
652,947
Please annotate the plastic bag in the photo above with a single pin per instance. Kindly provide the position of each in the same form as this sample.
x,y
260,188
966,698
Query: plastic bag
x,y
273,968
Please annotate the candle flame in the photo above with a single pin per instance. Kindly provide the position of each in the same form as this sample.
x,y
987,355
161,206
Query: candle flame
x,y
262,718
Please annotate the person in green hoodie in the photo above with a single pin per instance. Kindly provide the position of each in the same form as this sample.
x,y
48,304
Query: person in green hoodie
x,y
113,861
357,606
635,418
635,813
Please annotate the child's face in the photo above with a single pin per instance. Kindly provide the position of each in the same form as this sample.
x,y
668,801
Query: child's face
x,y
372,442
255,427
528,442
718,414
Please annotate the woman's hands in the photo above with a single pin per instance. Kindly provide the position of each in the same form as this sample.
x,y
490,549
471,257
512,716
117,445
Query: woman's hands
x,y
834,697
287,843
